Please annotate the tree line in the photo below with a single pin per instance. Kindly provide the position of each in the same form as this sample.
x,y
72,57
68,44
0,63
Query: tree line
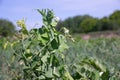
x,y
76,24
87,23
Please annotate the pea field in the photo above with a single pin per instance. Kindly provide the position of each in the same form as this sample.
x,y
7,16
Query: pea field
x,y
46,54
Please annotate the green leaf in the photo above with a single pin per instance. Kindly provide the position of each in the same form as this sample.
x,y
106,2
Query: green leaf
x,y
82,70
39,69
62,43
49,73
54,44
41,77
43,40
56,72
88,73
44,58
105,75
41,30
63,47
26,43
95,75
34,63
68,76
25,68
28,55
45,36
13,58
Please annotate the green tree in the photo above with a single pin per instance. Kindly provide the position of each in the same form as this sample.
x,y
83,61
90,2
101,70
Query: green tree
x,y
73,23
69,23
115,19
6,28
88,25
78,20
106,24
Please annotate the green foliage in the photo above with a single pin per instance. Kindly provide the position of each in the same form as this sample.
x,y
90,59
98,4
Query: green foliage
x,y
101,50
9,66
90,68
86,23
74,23
40,50
115,19
43,54
105,24
6,28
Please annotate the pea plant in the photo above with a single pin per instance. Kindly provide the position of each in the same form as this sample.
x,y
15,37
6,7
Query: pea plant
x,y
40,53
40,50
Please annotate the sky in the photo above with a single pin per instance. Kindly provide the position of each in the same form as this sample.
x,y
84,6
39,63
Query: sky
x,y
14,10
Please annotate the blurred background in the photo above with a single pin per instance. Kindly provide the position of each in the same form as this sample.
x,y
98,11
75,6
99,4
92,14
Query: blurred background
x,y
17,9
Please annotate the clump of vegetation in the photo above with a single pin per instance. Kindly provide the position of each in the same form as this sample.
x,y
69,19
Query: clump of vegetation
x,y
86,23
40,50
103,50
6,28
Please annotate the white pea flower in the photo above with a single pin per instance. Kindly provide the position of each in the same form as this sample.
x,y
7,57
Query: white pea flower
x,y
55,21
66,31
100,73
